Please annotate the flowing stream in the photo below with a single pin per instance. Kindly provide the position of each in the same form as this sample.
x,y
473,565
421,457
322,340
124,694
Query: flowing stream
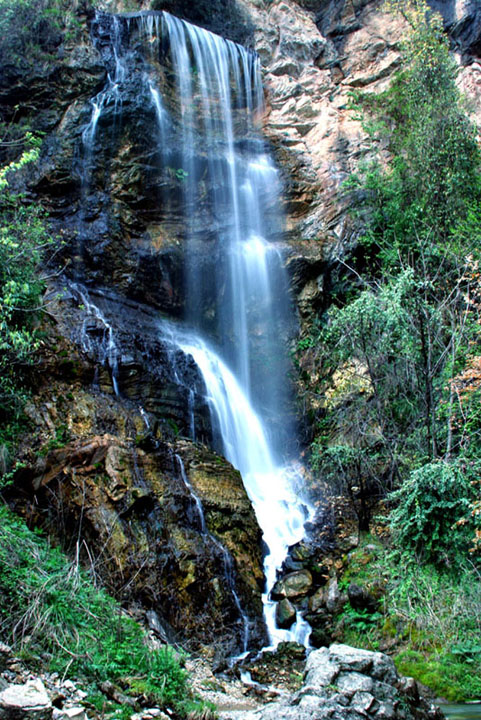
x,y
238,318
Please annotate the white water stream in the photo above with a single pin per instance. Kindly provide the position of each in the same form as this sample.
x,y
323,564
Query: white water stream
x,y
240,298
280,511
272,488
236,291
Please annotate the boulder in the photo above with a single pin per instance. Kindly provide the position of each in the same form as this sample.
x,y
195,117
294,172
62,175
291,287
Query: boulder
x,y
361,599
294,585
317,601
29,701
70,713
334,599
345,683
285,614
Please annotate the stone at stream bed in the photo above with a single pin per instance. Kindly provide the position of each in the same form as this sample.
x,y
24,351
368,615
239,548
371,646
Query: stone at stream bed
x,y
71,713
285,614
345,683
25,701
334,600
293,585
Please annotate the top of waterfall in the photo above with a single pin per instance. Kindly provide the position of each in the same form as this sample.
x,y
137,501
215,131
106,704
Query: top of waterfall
x,y
140,14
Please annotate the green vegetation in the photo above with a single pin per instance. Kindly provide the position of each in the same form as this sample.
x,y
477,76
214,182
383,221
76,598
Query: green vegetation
x,y
399,369
429,617
403,344
24,239
427,506
50,609
31,31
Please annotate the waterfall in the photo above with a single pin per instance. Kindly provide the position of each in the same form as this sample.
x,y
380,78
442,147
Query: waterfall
x,y
205,96
272,489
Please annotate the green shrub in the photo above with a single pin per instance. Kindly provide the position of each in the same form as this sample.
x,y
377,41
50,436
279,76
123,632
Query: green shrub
x,y
428,505
442,672
24,241
30,30
431,617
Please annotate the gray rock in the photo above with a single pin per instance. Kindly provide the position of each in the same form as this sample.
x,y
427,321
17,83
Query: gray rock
x,y
383,668
25,701
364,702
285,614
334,601
350,658
341,683
320,669
352,682
409,687
71,713
386,711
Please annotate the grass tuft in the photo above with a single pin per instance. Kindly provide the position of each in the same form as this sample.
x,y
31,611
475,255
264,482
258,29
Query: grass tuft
x,y
50,609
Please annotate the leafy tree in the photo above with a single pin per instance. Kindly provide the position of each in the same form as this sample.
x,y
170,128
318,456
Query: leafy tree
x,y
428,505
413,323
23,241
424,207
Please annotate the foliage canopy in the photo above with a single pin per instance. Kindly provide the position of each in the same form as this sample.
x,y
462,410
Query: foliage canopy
x,y
412,327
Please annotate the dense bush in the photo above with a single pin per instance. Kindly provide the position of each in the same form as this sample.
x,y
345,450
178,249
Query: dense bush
x,y
429,505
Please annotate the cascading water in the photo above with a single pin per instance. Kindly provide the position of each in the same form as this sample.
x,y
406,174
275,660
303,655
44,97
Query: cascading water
x,y
219,89
280,511
106,350
236,295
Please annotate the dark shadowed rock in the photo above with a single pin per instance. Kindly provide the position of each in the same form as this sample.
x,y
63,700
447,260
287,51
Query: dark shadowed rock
x,y
285,614
361,599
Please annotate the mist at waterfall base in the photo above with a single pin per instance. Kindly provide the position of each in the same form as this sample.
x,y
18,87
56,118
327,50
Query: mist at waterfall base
x,y
205,94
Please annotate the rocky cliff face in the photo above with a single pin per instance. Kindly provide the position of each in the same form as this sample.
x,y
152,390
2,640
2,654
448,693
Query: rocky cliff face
x,y
314,54
123,495
98,469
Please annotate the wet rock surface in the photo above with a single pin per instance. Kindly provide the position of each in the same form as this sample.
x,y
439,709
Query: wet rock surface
x,y
100,470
